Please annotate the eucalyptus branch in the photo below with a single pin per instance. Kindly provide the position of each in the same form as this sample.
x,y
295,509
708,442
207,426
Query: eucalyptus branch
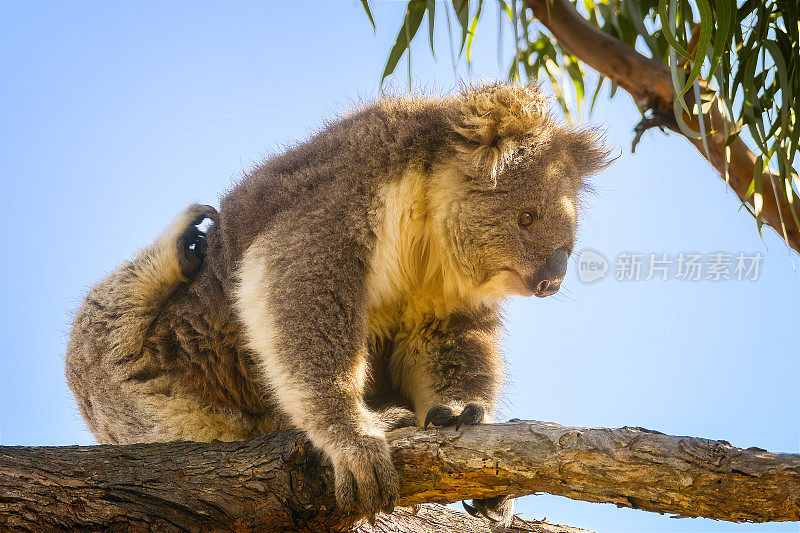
x,y
649,83
279,483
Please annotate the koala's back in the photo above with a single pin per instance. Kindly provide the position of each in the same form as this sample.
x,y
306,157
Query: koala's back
x,y
196,346
195,377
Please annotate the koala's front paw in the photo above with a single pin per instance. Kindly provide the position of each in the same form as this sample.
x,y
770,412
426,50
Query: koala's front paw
x,y
396,418
442,415
366,479
499,510
191,242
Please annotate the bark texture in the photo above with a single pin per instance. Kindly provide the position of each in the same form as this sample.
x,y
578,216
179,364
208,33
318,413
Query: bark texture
x,y
434,518
279,483
649,83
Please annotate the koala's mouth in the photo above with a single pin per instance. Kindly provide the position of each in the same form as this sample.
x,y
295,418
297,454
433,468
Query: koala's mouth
x,y
515,283
543,288
545,282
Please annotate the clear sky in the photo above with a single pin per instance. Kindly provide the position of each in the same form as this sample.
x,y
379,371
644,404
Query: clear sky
x,y
114,116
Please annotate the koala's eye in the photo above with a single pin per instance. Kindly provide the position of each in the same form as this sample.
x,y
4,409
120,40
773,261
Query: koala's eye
x,y
526,218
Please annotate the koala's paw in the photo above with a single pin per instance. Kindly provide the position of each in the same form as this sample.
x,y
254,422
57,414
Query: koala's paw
x,y
191,241
499,510
442,415
366,479
396,418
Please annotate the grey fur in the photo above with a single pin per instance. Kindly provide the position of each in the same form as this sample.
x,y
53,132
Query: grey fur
x,y
299,249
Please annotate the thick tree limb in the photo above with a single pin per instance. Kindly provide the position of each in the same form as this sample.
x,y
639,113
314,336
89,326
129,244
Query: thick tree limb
x,y
277,482
649,83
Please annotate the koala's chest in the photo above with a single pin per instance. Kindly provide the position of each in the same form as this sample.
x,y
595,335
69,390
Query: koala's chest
x,y
395,333
400,331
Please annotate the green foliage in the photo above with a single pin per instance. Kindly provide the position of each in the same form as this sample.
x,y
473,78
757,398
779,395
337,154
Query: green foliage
x,y
415,10
365,5
740,55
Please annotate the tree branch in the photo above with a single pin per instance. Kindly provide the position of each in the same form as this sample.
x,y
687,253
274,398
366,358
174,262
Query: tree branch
x,y
433,518
649,83
277,482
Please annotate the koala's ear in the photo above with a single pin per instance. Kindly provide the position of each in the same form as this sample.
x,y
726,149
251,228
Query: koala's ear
x,y
491,121
585,148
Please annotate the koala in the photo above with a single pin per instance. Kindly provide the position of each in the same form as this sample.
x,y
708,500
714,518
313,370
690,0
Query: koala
x,y
348,286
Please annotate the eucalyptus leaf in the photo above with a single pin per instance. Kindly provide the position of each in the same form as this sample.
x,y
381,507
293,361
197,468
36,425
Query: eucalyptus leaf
x,y
431,4
414,13
472,28
706,24
783,77
758,175
726,18
600,81
668,27
365,5
461,10
634,13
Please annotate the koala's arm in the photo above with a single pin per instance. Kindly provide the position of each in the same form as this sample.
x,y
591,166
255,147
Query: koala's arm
x,y
302,301
453,373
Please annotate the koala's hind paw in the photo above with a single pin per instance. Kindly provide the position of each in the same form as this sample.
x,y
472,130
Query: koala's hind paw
x,y
191,243
499,510
442,415
366,479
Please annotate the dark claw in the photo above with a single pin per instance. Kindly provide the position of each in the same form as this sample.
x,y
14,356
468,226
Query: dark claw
x,y
191,257
471,415
192,244
200,245
480,510
470,509
498,509
439,415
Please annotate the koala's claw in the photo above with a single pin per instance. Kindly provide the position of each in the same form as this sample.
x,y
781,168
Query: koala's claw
x,y
471,510
472,414
192,242
498,509
441,415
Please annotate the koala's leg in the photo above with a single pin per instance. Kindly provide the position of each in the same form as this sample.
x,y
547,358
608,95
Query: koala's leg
x,y
302,302
133,294
109,329
453,373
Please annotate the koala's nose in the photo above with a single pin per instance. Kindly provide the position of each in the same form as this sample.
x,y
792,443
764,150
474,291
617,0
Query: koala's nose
x,y
548,280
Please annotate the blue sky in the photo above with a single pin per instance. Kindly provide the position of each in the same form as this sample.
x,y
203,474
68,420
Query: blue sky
x,y
114,116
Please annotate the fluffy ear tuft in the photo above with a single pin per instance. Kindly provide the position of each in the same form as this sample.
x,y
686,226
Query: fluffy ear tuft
x,y
586,150
492,120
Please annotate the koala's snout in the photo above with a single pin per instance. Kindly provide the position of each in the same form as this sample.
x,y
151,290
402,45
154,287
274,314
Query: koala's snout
x,y
548,280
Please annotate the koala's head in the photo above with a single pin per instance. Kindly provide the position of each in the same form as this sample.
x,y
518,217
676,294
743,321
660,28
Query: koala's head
x,y
507,197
